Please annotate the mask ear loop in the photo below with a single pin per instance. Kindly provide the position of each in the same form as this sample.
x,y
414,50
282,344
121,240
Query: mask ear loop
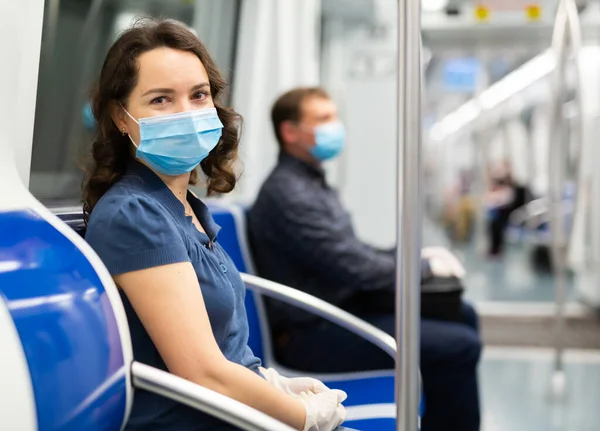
x,y
123,129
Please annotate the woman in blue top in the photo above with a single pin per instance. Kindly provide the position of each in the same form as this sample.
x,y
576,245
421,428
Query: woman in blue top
x,y
158,115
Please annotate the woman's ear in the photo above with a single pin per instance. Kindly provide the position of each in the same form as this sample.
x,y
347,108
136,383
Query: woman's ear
x,y
119,117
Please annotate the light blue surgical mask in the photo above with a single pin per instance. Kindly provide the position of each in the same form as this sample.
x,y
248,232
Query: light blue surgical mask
x,y
174,144
329,140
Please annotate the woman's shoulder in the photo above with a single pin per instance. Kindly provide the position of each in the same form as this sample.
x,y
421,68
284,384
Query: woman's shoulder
x,y
118,199
124,208
132,230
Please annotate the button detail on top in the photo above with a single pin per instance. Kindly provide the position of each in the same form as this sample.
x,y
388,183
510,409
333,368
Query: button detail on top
x,y
223,267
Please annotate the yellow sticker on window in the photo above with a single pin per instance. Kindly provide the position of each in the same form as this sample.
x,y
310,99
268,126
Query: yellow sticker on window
x,y
534,12
482,13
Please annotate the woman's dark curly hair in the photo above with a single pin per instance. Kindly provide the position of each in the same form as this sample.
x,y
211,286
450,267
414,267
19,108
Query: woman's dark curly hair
x,y
111,150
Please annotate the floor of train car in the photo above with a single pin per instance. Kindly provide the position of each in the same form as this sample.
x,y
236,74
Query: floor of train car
x,y
515,391
515,303
509,278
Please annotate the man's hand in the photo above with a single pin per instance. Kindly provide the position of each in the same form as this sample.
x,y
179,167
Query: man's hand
x,y
442,262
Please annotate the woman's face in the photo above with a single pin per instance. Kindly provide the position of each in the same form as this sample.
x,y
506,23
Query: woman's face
x,y
169,81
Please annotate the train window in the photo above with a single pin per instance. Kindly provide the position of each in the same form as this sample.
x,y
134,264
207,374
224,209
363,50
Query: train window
x,y
76,36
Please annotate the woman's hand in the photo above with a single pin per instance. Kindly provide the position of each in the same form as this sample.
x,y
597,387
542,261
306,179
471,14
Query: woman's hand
x,y
324,411
293,386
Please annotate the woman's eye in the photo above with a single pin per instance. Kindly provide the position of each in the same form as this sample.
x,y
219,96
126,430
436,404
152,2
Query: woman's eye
x,y
200,95
158,100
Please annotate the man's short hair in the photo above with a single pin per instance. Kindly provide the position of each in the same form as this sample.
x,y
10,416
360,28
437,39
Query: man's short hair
x,y
288,107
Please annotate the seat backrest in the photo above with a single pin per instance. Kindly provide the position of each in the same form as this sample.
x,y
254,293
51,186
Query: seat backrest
x,y
232,237
61,304
232,233
72,217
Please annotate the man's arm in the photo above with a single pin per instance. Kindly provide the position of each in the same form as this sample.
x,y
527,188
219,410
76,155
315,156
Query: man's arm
x,y
314,240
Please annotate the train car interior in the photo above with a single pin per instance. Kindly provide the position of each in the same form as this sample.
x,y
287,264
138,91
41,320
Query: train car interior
x,y
473,133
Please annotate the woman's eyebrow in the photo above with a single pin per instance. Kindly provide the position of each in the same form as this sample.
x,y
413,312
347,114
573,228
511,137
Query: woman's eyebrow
x,y
159,90
171,91
199,86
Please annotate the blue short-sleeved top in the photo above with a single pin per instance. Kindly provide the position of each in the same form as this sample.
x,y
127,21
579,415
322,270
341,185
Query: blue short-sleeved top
x,y
139,224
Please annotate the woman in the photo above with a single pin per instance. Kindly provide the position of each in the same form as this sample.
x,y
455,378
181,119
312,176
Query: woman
x,y
158,116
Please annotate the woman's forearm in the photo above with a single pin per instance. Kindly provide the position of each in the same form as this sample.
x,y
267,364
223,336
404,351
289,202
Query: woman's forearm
x,y
243,385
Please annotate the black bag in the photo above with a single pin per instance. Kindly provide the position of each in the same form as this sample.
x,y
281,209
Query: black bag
x,y
441,298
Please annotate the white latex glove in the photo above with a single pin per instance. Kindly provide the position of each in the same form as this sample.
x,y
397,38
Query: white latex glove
x,y
293,386
324,411
442,262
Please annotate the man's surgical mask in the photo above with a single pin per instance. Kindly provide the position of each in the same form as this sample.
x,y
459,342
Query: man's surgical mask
x,y
174,144
329,140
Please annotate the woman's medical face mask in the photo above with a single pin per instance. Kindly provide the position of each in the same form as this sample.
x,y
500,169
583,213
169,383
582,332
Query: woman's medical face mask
x,y
330,139
174,144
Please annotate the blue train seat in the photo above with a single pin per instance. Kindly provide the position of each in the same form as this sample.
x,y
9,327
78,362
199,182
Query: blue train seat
x,y
370,402
67,321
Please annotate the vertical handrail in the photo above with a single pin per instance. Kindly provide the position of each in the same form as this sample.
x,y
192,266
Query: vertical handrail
x,y
576,40
554,186
566,28
482,137
408,207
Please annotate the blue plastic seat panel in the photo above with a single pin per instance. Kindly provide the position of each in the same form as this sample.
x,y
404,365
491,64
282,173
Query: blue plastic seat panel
x,y
69,335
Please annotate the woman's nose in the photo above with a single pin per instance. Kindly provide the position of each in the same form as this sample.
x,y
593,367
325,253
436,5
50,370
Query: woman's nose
x,y
183,105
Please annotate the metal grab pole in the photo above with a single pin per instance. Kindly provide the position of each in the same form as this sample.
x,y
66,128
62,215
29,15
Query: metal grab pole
x,y
562,31
408,207
575,37
482,136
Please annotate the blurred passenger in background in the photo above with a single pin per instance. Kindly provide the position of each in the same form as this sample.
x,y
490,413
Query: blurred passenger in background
x,y
504,197
303,237
498,201
459,209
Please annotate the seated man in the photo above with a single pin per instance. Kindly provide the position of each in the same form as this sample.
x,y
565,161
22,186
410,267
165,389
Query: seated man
x,y
302,237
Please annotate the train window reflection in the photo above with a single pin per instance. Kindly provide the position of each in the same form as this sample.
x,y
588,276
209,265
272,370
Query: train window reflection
x,y
76,36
